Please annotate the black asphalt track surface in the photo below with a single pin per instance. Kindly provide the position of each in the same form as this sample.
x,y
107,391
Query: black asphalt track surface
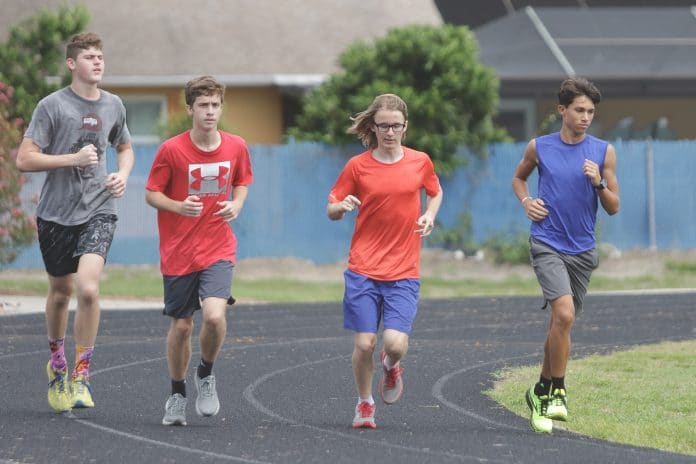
x,y
287,393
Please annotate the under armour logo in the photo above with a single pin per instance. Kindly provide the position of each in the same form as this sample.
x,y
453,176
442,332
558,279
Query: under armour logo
x,y
208,178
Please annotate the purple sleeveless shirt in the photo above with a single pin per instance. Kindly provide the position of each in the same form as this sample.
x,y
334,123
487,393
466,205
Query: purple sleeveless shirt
x,y
567,193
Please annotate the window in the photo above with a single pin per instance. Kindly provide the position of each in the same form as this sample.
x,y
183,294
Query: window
x,y
144,114
518,117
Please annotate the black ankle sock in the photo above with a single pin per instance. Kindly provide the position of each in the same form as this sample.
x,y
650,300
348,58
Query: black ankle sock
x,y
179,386
542,387
558,382
204,369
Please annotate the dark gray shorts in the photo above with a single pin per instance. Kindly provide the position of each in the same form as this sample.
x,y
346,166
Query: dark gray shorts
x,y
62,246
561,274
183,294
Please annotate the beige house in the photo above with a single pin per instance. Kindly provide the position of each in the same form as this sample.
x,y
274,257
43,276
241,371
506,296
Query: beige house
x,y
267,52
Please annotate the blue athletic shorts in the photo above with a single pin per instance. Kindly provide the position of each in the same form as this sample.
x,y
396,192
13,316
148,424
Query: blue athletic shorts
x,y
367,301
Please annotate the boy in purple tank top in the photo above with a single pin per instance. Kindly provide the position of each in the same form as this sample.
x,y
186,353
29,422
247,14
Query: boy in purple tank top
x,y
575,171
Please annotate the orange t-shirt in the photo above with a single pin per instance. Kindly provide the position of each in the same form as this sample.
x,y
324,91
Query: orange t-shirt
x,y
385,245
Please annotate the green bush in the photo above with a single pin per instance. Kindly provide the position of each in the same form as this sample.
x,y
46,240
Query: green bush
x,y
508,248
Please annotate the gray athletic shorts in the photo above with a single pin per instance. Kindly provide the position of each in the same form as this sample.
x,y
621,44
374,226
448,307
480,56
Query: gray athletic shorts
x,y
183,294
561,274
62,246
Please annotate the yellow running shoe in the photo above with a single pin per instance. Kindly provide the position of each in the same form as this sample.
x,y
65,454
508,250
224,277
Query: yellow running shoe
x,y
81,392
558,405
538,406
58,392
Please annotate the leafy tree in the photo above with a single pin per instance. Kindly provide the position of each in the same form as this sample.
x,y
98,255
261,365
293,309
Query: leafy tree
x,y
31,60
30,68
17,229
451,96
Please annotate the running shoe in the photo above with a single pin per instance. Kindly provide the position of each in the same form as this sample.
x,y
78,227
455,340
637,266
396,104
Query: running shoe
x,y
207,403
391,385
558,405
538,406
81,392
175,410
364,416
58,390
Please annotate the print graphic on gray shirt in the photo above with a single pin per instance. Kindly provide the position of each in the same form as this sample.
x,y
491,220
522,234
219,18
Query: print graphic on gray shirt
x,y
63,123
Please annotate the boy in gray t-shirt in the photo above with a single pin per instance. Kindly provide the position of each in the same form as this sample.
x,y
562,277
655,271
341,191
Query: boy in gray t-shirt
x,y
76,216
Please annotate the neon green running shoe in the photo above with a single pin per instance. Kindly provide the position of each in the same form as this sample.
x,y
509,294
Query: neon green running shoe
x,y
558,405
81,392
538,406
58,391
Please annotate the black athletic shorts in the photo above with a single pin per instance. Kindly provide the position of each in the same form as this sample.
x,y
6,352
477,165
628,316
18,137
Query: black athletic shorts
x,y
62,246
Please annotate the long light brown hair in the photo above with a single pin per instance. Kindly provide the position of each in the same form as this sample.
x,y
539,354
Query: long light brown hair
x,y
364,121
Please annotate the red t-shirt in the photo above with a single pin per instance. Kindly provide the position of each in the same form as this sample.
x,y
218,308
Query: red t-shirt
x,y
181,169
385,245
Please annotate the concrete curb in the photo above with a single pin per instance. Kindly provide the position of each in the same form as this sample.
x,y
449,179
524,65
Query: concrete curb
x,y
18,304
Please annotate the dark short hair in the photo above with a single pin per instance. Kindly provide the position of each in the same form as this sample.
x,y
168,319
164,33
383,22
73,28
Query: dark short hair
x,y
203,85
576,86
82,41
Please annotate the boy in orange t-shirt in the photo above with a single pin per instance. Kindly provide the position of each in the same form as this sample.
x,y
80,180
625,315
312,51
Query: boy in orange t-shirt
x,y
383,276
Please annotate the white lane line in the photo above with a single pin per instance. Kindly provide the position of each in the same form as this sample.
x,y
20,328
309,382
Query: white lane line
x,y
165,444
251,398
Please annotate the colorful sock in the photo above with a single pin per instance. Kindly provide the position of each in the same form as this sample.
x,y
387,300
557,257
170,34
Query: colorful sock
x,y
179,386
83,354
58,361
205,368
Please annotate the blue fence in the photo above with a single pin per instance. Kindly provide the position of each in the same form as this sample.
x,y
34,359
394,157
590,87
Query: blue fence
x,y
285,212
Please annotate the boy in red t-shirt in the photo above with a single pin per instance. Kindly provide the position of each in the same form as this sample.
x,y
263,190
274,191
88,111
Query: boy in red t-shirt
x,y
383,276
198,183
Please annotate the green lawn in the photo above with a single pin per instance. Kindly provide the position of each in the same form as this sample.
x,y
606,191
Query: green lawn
x,y
644,396
146,283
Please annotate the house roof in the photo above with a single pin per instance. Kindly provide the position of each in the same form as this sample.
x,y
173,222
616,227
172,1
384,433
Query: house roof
x,y
601,43
241,42
475,13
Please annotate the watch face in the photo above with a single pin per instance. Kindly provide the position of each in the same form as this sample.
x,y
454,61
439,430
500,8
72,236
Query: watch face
x,y
602,184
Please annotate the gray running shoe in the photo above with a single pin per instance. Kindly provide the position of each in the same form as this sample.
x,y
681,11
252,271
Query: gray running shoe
x,y
391,385
175,410
207,403
364,416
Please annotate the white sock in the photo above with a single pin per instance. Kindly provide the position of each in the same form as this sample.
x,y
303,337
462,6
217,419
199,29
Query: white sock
x,y
387,362
369,400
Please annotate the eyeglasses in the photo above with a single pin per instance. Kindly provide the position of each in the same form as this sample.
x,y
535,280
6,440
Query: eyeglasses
x,y
397,128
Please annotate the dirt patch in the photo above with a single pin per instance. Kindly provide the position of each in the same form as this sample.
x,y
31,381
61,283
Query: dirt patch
x,y
434,263
451,265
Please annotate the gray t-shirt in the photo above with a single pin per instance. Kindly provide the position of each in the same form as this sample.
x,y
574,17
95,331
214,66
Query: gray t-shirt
x,y
64,122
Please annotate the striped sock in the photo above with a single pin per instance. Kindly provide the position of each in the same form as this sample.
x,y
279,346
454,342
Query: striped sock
x,y
58,361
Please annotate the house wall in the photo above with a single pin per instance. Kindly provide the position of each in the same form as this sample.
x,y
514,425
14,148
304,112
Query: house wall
x,y
255,113
645,111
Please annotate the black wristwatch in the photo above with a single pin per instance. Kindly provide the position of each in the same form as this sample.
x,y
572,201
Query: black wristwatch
x,y
602,185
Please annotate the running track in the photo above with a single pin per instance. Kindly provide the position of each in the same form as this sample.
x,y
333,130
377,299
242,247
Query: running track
x,y
287,392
